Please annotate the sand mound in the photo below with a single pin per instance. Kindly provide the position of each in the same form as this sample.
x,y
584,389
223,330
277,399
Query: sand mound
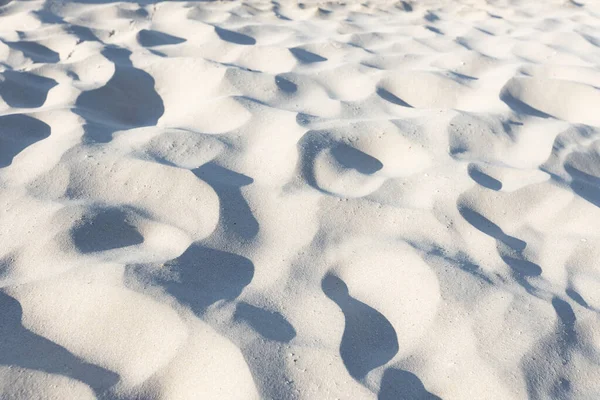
x,y
299,200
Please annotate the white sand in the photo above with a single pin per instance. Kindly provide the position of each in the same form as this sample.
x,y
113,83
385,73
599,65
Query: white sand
x,y
266,199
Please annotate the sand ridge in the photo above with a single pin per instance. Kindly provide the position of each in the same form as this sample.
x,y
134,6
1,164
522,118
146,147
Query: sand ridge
x,y
299,200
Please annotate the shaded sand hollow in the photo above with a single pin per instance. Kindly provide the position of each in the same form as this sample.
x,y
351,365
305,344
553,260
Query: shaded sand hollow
x,y
299,200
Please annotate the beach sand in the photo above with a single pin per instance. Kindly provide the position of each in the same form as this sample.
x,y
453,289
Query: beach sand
x,y
299,200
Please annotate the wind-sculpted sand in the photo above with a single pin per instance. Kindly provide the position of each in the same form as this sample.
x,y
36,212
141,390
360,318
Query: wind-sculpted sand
x,y
282,200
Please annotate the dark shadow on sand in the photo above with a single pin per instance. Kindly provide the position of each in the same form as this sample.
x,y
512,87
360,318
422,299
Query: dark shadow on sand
x,y
22,348
369,339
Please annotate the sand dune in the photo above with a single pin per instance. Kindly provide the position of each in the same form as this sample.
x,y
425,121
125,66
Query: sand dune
x,y
299,200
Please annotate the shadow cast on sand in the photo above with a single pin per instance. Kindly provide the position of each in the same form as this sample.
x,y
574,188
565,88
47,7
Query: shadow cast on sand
x,y
151,38
315,141
305,56
270,325
520,107
566,321
369,339
205,276
483,179
510,248
285,85
486,226
24,89
235,214
128,100
392,98
36,52
352,158
558,349
234,37
398,384
584,185
22,348
105,229
17,132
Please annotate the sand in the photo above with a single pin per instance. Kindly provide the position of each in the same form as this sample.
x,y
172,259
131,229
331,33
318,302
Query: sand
x,y
279,200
